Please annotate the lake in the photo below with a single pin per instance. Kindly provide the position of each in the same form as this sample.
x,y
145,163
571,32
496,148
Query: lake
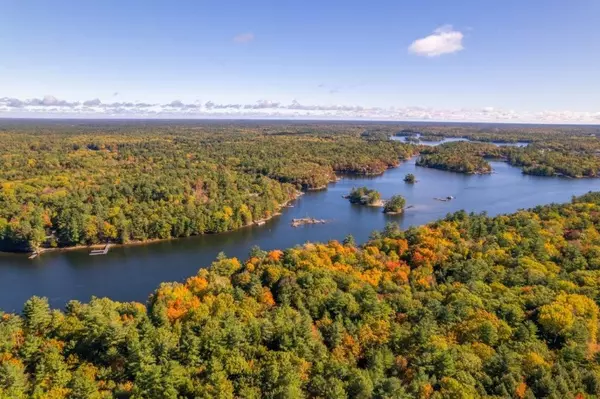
x,y
133,272
402,139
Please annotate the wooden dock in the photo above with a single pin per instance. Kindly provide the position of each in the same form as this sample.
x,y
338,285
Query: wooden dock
x,y
100,251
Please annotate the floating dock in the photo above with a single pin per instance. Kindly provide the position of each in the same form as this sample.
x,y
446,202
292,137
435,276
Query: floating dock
x,y
100,251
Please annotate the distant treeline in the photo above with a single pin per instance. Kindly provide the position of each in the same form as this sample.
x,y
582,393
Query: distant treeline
x,y
577,159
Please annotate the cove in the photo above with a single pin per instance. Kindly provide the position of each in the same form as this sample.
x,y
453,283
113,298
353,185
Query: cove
x,y
131,273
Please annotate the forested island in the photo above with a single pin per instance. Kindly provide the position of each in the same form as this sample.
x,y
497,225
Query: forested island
x,y
365,196
64,185
569,151
394,205
371,197
410,178
535,159
469,306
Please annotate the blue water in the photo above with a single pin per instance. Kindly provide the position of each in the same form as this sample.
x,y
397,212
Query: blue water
x,y
132,273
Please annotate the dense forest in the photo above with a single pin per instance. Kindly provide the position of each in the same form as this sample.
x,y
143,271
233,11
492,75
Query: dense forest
x,y
501,133
466,307
461,157
568,157
67,184
84,183
552,150
540,160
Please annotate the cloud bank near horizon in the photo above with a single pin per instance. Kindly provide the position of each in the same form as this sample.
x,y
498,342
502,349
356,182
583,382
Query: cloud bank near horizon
x,y
50,106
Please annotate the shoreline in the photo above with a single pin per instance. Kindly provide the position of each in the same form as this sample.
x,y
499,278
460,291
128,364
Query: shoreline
x,y
296,195
258,222
150,241
394,213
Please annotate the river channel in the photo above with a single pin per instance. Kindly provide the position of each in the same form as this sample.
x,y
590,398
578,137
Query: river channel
x,y
131,273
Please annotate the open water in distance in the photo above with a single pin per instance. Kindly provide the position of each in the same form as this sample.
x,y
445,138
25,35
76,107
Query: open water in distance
x,y
402,139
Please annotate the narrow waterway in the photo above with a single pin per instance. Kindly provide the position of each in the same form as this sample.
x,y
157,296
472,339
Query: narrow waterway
x,y
403,139
132,273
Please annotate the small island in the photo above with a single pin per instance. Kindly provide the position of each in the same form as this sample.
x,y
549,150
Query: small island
x,y
365,196
410,178
394,205
369,197
307,220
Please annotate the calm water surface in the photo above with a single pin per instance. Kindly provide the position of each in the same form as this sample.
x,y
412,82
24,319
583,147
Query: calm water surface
x,y
132,273
402,139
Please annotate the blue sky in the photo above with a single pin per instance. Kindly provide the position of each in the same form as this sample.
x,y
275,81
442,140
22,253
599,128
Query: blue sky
x,y
527,57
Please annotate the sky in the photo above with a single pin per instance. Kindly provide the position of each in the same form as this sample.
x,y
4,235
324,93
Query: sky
x,y
472,60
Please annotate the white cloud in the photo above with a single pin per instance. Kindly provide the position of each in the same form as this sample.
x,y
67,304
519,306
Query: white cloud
x,y
443,40
50,106
244,37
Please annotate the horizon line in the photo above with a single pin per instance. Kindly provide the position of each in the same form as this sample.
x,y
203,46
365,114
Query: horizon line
x,y
300,120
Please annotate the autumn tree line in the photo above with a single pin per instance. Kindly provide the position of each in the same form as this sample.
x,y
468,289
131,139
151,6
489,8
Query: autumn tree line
x,y
542,159
87,183
66,185
550,150
469,306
